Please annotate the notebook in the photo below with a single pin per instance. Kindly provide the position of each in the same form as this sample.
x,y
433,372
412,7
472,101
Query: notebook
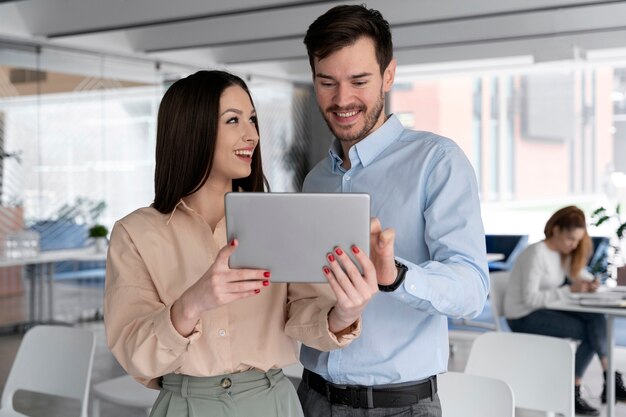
x,y
290,234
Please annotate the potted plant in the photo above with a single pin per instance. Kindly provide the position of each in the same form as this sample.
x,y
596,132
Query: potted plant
x,y
616,260
98,233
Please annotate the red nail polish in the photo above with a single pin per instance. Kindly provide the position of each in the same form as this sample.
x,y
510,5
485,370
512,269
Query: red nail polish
x,y
326,270
331,258
266,274
338,251
232,242
355,249
257,291
266,283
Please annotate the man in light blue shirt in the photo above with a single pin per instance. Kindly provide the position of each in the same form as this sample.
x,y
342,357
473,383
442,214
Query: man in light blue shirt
x,y
420,184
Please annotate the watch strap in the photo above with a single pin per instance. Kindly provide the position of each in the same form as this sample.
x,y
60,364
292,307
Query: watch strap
x,y
402,269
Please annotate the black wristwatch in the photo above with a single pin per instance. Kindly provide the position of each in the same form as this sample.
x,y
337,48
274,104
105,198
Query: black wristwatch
x,y
402,268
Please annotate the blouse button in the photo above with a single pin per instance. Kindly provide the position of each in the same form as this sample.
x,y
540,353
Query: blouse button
x,y
226,383
221,332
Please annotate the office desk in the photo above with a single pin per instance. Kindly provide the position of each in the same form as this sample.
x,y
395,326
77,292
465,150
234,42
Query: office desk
x,y
611,313
40,270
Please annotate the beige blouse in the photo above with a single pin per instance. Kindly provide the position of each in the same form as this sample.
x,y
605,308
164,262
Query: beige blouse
x,y
153,258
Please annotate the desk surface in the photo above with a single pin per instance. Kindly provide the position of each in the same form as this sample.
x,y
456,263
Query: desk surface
x,y
83,254
573,305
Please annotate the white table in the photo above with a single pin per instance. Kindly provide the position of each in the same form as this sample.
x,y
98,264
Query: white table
x,y
40,268
611,313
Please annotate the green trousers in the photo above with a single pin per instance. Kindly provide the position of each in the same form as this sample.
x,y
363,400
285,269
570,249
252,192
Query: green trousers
x,y
246,394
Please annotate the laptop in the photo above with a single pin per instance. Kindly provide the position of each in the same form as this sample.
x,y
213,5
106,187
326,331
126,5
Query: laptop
x,y
290,234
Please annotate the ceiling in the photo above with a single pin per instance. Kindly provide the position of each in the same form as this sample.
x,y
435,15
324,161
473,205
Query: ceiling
x,y
264,37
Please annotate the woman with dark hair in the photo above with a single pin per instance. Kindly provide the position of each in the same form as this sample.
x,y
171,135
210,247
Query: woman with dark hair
x,y
539,277
214,339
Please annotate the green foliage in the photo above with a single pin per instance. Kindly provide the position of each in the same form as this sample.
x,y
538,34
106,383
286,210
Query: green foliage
x,y
98,230
601,216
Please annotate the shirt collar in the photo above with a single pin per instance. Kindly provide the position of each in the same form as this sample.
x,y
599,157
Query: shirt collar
x,y
366,150
169,219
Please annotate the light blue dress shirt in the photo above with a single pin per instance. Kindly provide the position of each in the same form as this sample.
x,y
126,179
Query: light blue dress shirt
x,y
422,185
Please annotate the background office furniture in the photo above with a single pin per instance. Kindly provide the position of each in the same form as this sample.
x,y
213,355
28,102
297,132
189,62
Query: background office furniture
x,y
467,395
66,234
539,369
508,245
611,314
599,261
498,281
294,373
54,360
123,390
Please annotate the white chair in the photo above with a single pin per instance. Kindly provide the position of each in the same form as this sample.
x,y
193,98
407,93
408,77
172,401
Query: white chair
x,y
539,369
294,372
466,395
498,283
53,360
123,390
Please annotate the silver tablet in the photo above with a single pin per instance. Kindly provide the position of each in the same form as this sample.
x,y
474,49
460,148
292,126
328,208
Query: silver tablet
x,y
290,233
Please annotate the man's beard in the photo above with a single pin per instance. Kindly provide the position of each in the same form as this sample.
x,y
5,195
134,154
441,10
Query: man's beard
x,y
370,120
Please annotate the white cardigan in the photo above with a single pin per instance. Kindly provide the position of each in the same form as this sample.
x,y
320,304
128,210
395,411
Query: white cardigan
x,y
536,279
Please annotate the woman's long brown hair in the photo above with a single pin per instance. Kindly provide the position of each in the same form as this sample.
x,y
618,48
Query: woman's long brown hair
x,y
570,218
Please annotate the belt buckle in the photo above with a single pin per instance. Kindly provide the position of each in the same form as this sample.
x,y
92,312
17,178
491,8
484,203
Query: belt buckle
x,y
361,397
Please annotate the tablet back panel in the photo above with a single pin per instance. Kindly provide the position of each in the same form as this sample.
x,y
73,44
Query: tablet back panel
x,y
291,233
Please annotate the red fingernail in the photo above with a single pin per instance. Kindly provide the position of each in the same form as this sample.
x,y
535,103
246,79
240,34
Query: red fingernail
x,y
326,270
338,251
355,249
331,257
232,242
266,283
257,291
266,274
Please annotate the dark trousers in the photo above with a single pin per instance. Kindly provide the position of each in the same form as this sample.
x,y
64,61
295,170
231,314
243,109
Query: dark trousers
x,y
589,328
316,405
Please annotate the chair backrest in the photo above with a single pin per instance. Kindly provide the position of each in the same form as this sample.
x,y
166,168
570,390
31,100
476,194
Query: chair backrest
x,y
539,369
54,360
498,283
467,395
508,245
599,260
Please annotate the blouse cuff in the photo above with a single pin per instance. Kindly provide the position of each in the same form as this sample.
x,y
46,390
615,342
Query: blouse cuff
x,y
336,342
167,333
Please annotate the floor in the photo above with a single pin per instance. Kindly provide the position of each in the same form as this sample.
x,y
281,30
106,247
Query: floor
x,y
81,304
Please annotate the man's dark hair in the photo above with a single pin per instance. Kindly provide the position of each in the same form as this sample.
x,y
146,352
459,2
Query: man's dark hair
x,y
342,26
186,137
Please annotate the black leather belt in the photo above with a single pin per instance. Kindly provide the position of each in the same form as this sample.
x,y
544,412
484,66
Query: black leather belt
x,y
359,396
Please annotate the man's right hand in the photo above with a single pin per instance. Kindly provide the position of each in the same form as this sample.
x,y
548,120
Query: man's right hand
x,y
382,252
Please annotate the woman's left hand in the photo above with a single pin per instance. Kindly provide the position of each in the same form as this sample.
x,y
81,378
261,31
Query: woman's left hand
x,y
352,290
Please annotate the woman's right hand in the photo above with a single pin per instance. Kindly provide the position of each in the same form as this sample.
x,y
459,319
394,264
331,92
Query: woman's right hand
x,y
218,286
581,285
